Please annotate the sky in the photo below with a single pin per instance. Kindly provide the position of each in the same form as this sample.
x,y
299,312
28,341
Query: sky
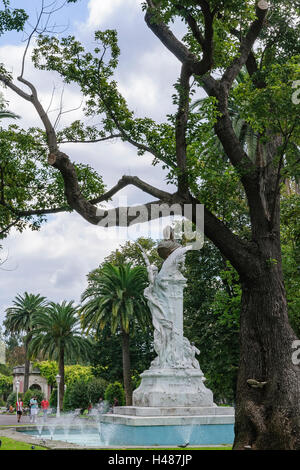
x,y
54,261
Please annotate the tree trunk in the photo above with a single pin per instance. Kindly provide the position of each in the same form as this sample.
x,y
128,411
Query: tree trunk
x,y
26,368
126,368
61,368
26,373
267,416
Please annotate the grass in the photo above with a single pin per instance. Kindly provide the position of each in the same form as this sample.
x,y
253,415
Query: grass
x,y
11,444
177,449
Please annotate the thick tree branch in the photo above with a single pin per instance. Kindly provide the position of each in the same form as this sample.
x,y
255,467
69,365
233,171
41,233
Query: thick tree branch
x,y
177,48
135,181
246,46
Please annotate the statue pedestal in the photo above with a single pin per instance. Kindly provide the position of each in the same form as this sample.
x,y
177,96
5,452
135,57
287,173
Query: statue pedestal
x,y
172,388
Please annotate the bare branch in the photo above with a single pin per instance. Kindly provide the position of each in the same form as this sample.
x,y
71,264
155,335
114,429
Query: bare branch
x,y
8,227
135,181
91,141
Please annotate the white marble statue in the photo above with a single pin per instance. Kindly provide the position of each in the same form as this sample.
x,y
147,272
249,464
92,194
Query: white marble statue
x,y
165,300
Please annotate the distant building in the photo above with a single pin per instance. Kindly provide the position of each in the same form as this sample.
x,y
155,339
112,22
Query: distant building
x,y
36,381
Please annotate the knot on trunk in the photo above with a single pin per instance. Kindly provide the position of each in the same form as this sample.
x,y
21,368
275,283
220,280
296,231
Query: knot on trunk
x,y
255,383
51,158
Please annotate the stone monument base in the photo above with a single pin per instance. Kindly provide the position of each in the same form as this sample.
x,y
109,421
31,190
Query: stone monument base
x,y
172,388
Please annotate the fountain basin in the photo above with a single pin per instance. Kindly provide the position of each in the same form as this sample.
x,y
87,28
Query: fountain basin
x,y
169,426
128,435
143,426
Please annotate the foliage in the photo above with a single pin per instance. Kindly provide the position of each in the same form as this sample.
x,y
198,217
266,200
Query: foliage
x,y
11,19
73,373
115,296
106,354
130,252
29,184
96,389
53,398
14,351
5,384
12,399
19,318
76,396
290,235
211,318
48,370
136,381
81,393
113,391
57,329
5,369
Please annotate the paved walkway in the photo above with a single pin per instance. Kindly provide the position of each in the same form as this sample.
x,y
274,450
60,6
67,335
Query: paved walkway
x,y
11,420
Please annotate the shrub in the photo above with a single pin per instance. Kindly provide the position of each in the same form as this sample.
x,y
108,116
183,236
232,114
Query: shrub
x,y
96,389
76,396
6,385
135,381
53,398
115,390
12,398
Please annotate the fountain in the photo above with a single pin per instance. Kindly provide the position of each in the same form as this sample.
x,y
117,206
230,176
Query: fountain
x,y
172,406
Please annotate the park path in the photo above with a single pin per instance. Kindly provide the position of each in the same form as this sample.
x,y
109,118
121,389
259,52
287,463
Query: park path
x,y
11,420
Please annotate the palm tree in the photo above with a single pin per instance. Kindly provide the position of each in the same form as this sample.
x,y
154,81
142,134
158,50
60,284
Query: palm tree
x,y
19,319
57,335
115,297
5,113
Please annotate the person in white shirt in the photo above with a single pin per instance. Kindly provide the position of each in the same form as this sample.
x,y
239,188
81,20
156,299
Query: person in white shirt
x,y
33,409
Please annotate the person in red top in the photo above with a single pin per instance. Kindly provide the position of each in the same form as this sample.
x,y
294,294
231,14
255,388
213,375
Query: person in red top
x,y
45,406
19,408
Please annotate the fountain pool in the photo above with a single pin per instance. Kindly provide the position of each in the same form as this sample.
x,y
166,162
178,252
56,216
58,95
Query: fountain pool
x,y
107,434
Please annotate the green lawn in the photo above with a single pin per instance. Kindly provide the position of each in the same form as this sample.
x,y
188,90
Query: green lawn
x,y
11,444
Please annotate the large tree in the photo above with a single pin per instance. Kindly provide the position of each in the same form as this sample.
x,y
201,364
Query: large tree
x,y
221,39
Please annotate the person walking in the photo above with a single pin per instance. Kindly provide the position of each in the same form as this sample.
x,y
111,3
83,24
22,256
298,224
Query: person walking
x,y
33,409
19,408
45,406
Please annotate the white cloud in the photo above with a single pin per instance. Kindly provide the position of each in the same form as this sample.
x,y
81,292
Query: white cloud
x,y
54,261
101,11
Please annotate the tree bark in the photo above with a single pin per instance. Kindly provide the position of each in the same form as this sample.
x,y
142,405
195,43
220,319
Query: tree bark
x,y
126,368
267,416
26,371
